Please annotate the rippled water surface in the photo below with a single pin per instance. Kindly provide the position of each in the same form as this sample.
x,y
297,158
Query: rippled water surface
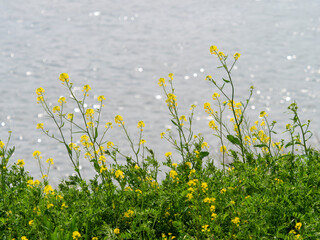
x,y
121,48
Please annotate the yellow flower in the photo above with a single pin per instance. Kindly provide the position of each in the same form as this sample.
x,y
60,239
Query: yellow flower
x,y
62,100
215,96
212,125
102,169
162,82
101,98
47,189
70,116
141,125
119,174
162,134
50,205
298,225
30,222
36,182
212,207
205,228
116,231
36,154
192,106
24,238
262,114
44,176
173,174
204,144
40,126
223,149
170,76
292,232
174,165
64,77
56,109
49,160
40,91
213,49
236,56
110,144
221,54
94,238
168,154
204,186
236,220
76,235
108,125
189,196
129,213
89,113
118,119
171,100
90,124
138,191
142,141
223,190
213,216
86,88
20,163
232,202
2,144
189,164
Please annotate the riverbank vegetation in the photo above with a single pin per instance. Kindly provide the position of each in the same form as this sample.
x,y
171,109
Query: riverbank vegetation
x,y
270,189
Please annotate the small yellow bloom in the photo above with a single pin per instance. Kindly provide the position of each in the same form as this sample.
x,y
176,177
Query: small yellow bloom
x,y
204,144
101,98
204,186
47,189
232,202
119,174
236,56
86,88
50,205
30,222
298,225
76,235
170,76
174,165
292,232
212,208
189,164
64,77
89,113
2,144
223,190
40,91
50,160
56,109
90,124
213,49
70,116
162,134
223,149
141,125
192,107
173,174
36,154
110,144
20,163
189,196
212,125
262,114
62,100
215,96
108,125
205,228
138,191
94,238
118,119
168,154
24,238
236,220
40,126
129,213
142,141
213,216
162,82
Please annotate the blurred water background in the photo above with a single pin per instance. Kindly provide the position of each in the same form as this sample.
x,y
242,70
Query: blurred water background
x,y
121,49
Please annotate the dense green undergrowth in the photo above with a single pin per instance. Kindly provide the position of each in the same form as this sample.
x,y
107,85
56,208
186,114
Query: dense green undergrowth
x,y
270,190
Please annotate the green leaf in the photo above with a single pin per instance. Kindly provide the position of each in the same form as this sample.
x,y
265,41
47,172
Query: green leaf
x,y
95,134
233,139
260,145
227,81
174,122
203,154
69,150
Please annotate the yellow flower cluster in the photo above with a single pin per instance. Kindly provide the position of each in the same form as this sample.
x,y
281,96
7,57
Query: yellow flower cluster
x,y
119,174
89,113
141,125
76,235
119,120
171,100
64,77
20,163
162,82
129,213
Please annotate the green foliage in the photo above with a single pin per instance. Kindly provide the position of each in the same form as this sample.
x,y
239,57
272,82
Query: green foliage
x,y
263,193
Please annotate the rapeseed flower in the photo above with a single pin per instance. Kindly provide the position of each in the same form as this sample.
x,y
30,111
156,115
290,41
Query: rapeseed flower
x,y
119,174
215,96
40,126
162,134
50,160
30,222
205,228
213,125
110,144
56,109
236,56
170,75
2,144
142,141
76,235
47,189
223,149
40,91
89,113
141,125
20,163
204,144
213,49
119,120
62,100
298,225
64,77
162,82
101,98
173,174
86,88
36,154
116,231
168,154
236,220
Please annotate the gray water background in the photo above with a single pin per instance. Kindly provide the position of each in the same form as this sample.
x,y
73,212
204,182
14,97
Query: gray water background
x,y
122,48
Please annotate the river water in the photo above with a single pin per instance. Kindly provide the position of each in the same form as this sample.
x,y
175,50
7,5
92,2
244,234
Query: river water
x,y
121,49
